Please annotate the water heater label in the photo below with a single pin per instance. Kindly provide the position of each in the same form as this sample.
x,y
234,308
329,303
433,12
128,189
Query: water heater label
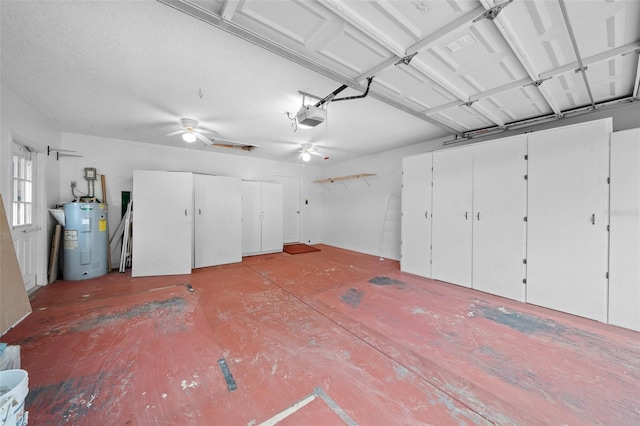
x,y
86,207
70,239
102,225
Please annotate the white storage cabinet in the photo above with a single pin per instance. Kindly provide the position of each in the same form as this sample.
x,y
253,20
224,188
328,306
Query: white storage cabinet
x,y
262,218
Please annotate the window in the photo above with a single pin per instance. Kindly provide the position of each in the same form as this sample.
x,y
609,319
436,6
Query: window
x,y
22,187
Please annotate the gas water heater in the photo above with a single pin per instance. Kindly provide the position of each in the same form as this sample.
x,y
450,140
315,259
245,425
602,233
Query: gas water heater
x,y
85,240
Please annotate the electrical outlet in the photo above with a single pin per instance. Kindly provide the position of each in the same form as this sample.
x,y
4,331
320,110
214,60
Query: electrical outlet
x,y
74,184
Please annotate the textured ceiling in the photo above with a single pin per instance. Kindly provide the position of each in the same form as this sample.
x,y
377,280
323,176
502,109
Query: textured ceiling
x,y
132,69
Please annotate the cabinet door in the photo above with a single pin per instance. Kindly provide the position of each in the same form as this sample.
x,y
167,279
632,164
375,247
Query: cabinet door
x,y
272,217
218,220
567,219
162,223
251,217
452,216
500,205
416,215
624,260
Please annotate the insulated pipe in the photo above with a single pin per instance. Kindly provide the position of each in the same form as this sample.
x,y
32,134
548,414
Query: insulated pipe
x,y
331,97
364,95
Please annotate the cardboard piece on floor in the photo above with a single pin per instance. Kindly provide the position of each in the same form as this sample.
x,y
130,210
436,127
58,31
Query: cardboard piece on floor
x,y
14,301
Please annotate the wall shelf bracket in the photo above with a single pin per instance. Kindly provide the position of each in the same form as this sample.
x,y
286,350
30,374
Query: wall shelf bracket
x,y
61,152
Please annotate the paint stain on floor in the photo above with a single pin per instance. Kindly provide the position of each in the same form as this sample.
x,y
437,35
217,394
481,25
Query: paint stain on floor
x,y
147,351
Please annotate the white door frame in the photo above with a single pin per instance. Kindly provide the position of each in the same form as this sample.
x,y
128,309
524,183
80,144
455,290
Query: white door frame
x,y
39,213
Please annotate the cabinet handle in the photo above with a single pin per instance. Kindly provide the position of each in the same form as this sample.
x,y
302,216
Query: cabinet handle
x,y
199,212
426,214
478,215
185,212
593,219
466,215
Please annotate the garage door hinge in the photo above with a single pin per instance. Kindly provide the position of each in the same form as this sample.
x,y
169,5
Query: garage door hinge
x,y
525,218
608,228
524,281
524,261
526,157
608,180
607,275
526,177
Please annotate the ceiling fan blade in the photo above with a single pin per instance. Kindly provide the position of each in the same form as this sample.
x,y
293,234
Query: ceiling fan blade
x,y
202,138
316,153
177,132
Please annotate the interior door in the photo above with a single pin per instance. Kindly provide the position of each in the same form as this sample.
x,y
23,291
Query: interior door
x,y
162,223
272,217
624,260
25,228
291,207
217,220
251,217
500,205
452,216
416,215
567,218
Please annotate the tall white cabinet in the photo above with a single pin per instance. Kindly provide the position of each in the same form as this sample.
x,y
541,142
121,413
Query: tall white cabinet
x,y
217,220
567,251
550,218
479,204
452,216
624,263
416,214
499,208
163,223
262,218
184,220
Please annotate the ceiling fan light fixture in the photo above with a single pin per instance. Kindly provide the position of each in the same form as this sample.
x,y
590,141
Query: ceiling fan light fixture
x,y
306,156
188,137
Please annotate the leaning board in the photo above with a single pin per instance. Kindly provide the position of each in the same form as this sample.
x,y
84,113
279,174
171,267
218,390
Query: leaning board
x,y
14,302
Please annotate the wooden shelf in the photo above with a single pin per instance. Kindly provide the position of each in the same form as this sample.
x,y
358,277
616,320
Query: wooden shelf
x,y
336,179
340,179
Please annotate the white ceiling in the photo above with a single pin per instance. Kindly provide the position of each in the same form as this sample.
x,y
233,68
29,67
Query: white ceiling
x,y
132,69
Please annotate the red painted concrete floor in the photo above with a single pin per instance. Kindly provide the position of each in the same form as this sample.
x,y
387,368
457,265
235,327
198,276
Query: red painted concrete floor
x,y
328,337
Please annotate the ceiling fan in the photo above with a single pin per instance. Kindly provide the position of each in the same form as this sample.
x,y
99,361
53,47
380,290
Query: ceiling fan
x,y
191,132
307,150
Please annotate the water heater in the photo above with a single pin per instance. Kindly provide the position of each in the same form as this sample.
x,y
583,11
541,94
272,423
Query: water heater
x,y
85,241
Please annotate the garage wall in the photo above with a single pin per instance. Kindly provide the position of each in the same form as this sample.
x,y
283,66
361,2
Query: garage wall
x,y
20,121
364,214
117,159
356,217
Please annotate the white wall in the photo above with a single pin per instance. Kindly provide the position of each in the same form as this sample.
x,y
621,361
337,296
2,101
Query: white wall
x,y
364,214
21,122
116,159
354,217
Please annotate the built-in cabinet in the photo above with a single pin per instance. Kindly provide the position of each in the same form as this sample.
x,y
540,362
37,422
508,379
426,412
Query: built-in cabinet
x,y
217,220
184,220
479,204
624,259
163,223
528,218
262,218
567,252
499,210
452,216
416,214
